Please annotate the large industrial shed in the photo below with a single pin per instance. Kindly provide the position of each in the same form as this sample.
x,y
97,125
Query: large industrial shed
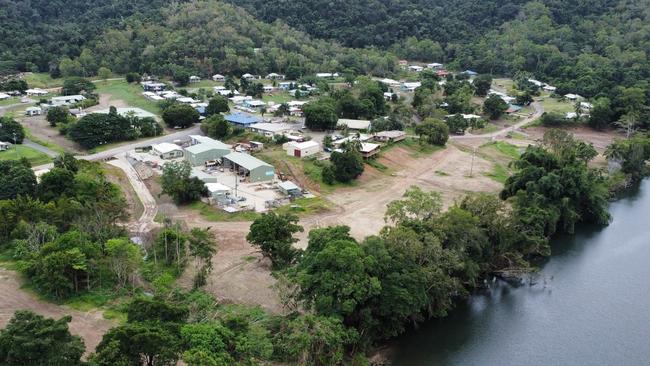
x,y
209,150
255,169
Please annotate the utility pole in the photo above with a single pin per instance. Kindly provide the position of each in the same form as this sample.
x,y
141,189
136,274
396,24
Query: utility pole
x,y
471,169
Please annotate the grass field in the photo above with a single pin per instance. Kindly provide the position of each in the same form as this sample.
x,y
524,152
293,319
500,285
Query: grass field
x,y
34,157
504,148
277,98
42,80
131,94
10,101
500,153
554,105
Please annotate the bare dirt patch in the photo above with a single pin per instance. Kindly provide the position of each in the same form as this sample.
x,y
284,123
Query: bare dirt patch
x,y
600,139
41,130
90,326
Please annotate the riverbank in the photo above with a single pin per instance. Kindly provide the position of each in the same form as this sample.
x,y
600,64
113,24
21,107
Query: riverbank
x,y
576,313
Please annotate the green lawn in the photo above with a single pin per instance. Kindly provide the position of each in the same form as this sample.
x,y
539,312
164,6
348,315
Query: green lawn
x,y
277,98
504,148
131,94
9,101
499,173
504,83
419,150
212,213
554,105
33,156
42,80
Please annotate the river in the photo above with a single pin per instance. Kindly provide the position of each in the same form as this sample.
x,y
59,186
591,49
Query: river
x,y
591,305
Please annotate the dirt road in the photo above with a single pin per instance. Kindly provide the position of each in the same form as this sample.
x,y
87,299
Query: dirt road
x,y
91,326
146,221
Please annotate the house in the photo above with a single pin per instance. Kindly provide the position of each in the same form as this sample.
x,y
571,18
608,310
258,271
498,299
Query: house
x,y
368,150
389,82
353,124
550,89
268,88
225,92
165,150
35,92
194,79
33,111
187,100
513,108
327,75
248,76
66,100
585,105
254,104
152,86
240,99
242,119
537,83
137,112
390,136
415,68
410,86
248,166
388,95
403,63
442,73
302,149
217,191
270,129
571,115
289,188
4,146
218,78
470,72
4,96
207,149
435,66
274,76
572,96
285,85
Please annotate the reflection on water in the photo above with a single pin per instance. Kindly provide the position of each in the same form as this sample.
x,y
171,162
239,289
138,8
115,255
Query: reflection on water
x,y
590,305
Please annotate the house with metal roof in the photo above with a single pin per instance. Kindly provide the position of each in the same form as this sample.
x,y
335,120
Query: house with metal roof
x,y
353,124
249,166
207,150
165,150
203,176
242,119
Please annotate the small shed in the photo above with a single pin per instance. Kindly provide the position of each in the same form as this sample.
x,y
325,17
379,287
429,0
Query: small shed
x,y
289,188
217,190
33,111
218,77
165,150
249,166
4,146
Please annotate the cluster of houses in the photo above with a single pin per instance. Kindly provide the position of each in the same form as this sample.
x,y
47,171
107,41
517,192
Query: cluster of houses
x,y
61,101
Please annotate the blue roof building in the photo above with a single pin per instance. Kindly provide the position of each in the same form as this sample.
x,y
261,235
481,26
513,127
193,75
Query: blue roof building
x,y
242,119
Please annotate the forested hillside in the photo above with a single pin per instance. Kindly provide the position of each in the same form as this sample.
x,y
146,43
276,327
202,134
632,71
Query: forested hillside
x,y
35,34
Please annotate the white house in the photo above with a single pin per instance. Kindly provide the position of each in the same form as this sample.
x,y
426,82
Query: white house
x,y
165,150
248,76
35,92
389,82
415,68
271,129
33,111
368,149
240,99
327,75
549,88
254,104
302,149
388,95
194,79
4,146
435,66
67,99
411,86
585,105
268,88
572,96
274,76
353,124
536,82
4,96
218,77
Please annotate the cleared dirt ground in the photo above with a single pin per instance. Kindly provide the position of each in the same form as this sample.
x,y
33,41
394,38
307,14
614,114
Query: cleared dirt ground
x,y
91,325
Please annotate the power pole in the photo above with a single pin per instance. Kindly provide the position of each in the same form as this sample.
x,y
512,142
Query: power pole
x,y
471,169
